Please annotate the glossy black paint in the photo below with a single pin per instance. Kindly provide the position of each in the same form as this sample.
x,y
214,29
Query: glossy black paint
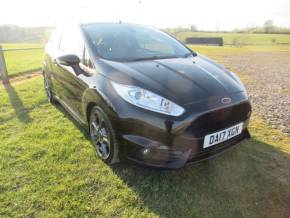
x,y
196,83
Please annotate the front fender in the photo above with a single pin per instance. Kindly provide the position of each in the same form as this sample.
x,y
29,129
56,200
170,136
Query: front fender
x,y
95,96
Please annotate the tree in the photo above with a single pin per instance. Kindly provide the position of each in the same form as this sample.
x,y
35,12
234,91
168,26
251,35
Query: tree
x,y
269,26
193,28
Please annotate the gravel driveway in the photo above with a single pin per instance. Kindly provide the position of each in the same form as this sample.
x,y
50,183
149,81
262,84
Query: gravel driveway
x,y
267,79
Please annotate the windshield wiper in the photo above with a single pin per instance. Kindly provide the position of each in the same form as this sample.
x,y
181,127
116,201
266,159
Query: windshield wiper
x,y
153,58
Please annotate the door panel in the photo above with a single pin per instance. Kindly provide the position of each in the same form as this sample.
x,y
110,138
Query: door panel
x,y
73,88
56,77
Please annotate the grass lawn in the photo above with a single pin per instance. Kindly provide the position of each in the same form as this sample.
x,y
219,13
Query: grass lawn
x,y
19,62
48,168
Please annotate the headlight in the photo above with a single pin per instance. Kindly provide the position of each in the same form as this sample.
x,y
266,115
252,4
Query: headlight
x,y
147,100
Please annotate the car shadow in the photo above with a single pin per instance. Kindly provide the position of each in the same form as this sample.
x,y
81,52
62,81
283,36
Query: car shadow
x,y
81,128
241,182
21,112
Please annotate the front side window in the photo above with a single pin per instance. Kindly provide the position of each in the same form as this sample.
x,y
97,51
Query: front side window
x,y
54,39
72,42
125,42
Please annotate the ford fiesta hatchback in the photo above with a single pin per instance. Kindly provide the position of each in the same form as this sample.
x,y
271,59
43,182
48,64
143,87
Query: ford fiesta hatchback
x,y
143,95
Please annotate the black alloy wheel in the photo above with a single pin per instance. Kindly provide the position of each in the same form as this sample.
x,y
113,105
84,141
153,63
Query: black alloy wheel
x,y
103,136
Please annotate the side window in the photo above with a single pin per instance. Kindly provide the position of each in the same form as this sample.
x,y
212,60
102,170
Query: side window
x,y
54,38
72,42
87,60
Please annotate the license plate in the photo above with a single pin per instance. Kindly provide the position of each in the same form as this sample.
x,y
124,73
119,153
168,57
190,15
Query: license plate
x,y
223,135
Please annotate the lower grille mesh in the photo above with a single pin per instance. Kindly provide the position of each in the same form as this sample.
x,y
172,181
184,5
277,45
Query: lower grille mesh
x,y
218,119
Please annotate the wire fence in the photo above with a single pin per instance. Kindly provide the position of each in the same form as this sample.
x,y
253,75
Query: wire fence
x,y
15,61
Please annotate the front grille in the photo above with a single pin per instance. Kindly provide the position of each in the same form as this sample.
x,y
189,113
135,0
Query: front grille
x,y
218,119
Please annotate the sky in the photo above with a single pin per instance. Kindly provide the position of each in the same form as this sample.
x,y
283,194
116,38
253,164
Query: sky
x,y
205,14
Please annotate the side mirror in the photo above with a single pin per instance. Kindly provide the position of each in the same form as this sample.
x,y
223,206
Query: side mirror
x,y
68,60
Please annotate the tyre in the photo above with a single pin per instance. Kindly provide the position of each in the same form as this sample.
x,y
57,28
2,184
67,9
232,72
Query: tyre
x,y
103,136
47,89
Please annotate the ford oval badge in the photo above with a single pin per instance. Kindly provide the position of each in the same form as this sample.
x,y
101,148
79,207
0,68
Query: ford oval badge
x,y
226,100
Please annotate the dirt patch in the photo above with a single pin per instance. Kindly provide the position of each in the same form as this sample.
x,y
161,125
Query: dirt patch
x,y
25,77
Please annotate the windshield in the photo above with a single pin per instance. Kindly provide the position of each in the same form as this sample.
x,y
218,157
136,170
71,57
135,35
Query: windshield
x,y
128,42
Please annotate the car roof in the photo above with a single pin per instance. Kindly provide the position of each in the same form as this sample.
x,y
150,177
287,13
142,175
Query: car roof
x,y
62,25
111,23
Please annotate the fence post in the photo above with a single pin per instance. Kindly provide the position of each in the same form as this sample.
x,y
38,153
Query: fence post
x,y
3,69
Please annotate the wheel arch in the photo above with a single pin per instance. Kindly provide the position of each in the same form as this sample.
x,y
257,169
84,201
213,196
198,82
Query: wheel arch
x,y
92,98
89,108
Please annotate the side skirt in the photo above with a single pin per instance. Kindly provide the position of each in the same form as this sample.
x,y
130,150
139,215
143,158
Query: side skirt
x,y
72,113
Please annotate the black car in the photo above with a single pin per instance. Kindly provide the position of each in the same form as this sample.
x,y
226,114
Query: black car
x,y
143,95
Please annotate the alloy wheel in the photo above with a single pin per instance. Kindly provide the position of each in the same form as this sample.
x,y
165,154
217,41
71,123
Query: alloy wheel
x,y
100,135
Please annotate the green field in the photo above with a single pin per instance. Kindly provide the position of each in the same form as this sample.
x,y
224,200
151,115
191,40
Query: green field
x,y
48,168
20,62
240,39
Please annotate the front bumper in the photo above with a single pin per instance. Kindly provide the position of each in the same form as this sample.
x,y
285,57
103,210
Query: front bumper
x,y
165,143
166,157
